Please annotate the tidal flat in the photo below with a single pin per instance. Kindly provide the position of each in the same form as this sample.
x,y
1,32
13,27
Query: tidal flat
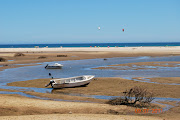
x,y
106,83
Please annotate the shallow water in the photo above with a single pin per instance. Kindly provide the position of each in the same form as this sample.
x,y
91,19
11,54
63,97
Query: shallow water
x,y
147,80
83,67
10,60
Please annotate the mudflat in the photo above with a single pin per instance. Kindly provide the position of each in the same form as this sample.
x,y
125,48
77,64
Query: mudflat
x,y
110,87
19,107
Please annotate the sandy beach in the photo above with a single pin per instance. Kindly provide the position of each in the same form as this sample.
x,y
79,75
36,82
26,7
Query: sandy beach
x,y
89,60
32,55
161,50
18,107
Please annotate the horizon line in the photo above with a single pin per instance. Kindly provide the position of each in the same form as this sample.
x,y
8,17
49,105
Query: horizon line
x,y
82,43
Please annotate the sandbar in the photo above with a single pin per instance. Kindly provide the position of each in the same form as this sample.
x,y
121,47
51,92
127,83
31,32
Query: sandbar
x,y
18,107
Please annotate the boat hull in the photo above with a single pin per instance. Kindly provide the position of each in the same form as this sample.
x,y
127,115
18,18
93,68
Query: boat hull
x,y
54,67
70,85
71,82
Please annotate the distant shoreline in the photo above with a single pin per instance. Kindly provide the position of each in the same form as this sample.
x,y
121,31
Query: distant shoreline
x,y
75,45
170,49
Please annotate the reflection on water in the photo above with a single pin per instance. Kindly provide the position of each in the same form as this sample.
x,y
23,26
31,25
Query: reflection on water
x,y
83,67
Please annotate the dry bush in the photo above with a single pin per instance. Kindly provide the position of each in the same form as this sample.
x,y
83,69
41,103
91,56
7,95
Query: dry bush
x,y
117,101
42,57
2,59
136,96
19,54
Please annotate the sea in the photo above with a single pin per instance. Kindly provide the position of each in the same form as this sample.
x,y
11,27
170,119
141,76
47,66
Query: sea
x,y
91,45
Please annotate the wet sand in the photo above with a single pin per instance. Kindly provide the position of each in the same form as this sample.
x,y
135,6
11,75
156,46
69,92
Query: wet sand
x,y
109,87
32,54
18,105
34,108
141,65
26,108
166,80
34,57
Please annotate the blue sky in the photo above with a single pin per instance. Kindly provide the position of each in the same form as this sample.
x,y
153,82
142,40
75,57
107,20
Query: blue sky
x,y
77,21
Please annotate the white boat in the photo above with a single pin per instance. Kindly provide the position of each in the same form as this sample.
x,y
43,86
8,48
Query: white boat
x,y
54,66
71,82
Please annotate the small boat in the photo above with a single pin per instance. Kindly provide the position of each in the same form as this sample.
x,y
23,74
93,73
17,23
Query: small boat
x,y
54,66
71,82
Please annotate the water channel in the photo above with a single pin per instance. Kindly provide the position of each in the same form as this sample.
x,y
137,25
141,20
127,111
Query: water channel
x,y
84,67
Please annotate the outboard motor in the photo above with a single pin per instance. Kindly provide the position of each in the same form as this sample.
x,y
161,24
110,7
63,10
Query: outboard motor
x,y
46,66
50,83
